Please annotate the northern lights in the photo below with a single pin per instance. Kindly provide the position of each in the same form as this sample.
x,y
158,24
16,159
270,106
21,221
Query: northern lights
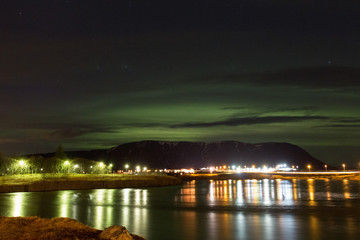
x,y
94,74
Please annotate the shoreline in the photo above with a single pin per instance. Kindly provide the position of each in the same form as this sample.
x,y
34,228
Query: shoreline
x,y
52,182
277,175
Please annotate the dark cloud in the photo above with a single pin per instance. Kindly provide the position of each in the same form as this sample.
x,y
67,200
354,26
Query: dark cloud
x,y
340,126
250,121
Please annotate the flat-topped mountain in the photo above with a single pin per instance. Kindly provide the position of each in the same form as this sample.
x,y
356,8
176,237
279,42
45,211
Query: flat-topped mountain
x,y
160,154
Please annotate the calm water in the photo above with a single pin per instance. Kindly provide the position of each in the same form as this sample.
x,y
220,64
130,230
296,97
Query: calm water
x,y
243,209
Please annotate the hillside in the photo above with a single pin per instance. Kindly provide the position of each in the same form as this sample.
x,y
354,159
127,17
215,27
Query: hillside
x,y
159,154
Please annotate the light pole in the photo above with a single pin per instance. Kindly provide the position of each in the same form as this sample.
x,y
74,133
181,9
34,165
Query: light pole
x,y
344,166
309,167
325,167
126,167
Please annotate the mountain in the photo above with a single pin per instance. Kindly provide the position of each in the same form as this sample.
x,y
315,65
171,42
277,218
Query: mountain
x,y
160,154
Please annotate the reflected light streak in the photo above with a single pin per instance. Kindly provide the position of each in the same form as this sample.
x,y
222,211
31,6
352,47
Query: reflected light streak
x,y
17,204
311,192
240,197
346,189
126,196
99,210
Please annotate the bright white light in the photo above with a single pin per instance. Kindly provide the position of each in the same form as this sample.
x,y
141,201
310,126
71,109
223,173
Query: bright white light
x,y
76,166
22,163
66,162
233,167
101,164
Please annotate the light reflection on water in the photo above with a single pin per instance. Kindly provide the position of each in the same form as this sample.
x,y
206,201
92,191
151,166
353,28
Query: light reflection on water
x,y
224,209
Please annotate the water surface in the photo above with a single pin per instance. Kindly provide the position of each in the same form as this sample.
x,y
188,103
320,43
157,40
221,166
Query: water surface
x,y
242,209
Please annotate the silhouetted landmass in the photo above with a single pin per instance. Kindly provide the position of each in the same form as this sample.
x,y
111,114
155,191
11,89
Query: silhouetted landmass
x,y
160,154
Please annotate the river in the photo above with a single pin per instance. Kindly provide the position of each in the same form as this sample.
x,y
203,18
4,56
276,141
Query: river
x,y
241,209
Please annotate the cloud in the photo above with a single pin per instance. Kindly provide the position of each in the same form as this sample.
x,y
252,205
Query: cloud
x,y
250,121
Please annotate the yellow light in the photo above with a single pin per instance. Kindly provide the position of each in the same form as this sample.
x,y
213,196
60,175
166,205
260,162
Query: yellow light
x,y
224,166
22,163
76,166
145,168
110,165
126,166
66,162
138,168
101,164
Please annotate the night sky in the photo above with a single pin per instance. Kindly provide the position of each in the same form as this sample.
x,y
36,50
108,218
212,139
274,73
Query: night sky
x,y
95,74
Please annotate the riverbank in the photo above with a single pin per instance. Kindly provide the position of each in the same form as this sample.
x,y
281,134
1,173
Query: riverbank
x,y
273,175
54,182
14,228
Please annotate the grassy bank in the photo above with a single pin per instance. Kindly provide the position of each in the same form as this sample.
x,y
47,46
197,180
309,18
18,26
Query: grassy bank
x,y
53,182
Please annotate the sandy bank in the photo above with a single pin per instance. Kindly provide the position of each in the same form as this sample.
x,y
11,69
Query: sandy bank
x,y
38,182
31,228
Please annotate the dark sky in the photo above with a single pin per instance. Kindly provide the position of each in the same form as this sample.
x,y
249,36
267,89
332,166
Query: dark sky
x,y
95,74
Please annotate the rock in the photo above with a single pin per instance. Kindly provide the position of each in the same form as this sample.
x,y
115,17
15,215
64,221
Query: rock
x,y
115,233
35,228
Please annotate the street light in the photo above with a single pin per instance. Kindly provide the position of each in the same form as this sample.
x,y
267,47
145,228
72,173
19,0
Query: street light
x,y
126,166
309,167
344,166
325,167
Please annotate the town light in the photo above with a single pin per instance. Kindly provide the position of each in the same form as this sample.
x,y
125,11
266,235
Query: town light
x,y
111,165
126,166
344,166
76,166
101,164
138,168
22,163
325,167
309,167
66,162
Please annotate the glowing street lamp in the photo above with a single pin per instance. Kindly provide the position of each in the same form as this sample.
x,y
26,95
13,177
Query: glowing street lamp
x,y
138,168
325,167
22,163
344,166
309,167
126,166
66,162
101,164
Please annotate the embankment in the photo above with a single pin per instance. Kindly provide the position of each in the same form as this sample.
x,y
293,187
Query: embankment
x,y
39,183
273,175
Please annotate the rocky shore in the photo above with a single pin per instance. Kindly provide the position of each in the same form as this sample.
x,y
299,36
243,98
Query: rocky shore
x,y
35,228
81,182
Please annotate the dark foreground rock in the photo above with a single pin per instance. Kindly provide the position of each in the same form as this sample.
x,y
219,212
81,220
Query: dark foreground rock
x,y
35,228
